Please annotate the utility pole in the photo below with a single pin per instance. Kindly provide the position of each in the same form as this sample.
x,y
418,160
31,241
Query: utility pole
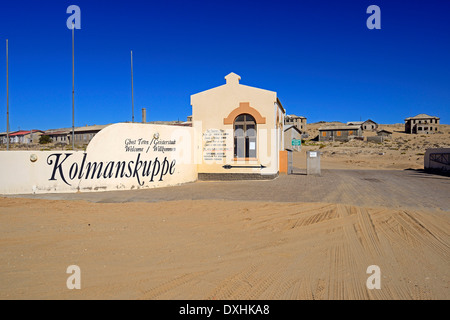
x,y
132,89
7,97
73,86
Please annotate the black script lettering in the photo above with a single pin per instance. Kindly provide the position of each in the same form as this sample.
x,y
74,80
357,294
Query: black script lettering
x,y
172,167
58,166
72,174
165,169
82,166
110,165
94,165
140,169
136,169
120,165
156,162
130,164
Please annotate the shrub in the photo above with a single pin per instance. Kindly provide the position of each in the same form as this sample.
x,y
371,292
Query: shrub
x,y
45,140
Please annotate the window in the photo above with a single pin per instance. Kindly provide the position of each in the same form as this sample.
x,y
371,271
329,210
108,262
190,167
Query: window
x,y
339,133
350,132
244,137
324,134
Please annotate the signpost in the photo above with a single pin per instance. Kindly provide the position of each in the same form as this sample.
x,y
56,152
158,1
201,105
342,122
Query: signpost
x,y
7,97
296,143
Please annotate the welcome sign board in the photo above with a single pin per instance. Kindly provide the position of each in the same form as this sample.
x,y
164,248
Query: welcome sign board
x,y
120,157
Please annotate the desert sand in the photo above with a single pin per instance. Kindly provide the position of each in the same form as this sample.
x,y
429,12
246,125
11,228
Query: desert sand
x,y
229,249
401,151
221,250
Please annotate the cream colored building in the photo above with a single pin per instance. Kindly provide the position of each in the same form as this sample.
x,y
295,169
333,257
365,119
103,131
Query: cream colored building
x,y
298,121
422,124
240,131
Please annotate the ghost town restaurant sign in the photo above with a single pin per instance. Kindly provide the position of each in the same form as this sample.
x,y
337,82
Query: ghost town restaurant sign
x,y
142,168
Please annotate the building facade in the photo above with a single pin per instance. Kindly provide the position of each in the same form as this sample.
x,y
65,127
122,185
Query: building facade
x,y
368,125
82,136
240,131
384,133
292,138
21,137
298,121
339,133
422,124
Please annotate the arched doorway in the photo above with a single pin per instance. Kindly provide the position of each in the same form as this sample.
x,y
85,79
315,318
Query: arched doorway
x,y
244,137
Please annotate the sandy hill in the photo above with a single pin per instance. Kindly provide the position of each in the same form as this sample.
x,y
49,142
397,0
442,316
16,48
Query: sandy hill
x,y
402,151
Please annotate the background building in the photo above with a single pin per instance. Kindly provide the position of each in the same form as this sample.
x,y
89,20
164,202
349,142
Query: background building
x,y
339,133
298,121
422,123
82,136
22,137
368,125
292,138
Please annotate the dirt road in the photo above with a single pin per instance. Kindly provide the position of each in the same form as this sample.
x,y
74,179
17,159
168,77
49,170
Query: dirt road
x,y
211,249
389,188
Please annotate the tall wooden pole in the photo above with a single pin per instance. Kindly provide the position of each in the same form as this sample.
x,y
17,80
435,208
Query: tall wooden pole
x,y
7,96
73,86
132,89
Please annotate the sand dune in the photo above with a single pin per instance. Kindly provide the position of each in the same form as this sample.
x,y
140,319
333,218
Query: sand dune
x,y
209,249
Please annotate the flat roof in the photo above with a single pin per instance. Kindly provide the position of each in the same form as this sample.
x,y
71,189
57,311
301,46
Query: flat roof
x,y
340,128
422,116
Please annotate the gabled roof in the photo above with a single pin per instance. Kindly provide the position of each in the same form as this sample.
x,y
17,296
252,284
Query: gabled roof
x,y
383,130
286,128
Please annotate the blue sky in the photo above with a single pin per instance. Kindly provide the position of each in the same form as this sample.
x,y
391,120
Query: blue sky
x,y
319,57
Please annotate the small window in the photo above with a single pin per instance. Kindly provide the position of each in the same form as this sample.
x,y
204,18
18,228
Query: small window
x,y
339,133
324,134
350,132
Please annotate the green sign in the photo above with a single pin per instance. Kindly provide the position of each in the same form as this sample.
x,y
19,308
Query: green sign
x,y
296,142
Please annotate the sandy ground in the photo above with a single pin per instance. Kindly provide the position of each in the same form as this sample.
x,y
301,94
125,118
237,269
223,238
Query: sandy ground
x,y
401,151
300,237
210,249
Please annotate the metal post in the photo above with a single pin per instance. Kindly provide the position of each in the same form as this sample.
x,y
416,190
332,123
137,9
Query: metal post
x,y
7,97
73,86
132,89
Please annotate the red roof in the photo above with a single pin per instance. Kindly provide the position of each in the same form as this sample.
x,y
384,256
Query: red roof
x,y
22,133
